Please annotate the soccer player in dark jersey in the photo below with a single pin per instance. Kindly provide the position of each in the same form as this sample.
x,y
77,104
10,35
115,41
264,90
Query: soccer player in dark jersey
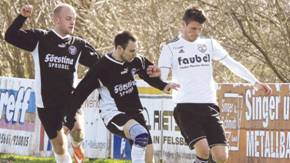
x,y
190,59
120,105
56,56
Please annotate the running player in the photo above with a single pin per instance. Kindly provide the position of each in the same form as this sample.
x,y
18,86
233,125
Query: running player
x,y
190,58
56,56
120,105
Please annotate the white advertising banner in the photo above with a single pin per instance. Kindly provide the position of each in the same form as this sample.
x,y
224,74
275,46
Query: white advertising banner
x,y
96,137
17,116
256,125
169,145
20,128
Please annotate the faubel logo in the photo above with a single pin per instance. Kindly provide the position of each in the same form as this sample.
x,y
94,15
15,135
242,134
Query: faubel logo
x,y
194,59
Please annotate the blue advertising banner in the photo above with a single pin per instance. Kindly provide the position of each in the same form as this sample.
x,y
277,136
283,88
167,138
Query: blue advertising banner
x,y
121,148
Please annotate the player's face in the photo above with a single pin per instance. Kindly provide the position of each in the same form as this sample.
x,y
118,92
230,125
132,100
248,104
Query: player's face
x,y
129,52
191,30
65,20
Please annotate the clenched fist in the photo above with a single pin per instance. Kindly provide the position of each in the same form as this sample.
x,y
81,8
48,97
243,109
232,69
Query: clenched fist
x,y
26,10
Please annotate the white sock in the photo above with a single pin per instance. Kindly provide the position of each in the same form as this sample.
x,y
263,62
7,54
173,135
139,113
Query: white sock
x,y
138,154
65,158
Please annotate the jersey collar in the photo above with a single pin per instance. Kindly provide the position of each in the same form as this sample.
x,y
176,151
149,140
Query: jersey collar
x,y
62,37
109,57
189,42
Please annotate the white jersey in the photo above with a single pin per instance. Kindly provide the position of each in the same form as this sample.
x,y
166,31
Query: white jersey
x,y
191,64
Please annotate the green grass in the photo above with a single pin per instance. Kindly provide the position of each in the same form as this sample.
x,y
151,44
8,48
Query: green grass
x,y
10,158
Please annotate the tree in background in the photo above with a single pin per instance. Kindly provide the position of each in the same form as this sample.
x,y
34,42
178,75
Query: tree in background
x,y
255,32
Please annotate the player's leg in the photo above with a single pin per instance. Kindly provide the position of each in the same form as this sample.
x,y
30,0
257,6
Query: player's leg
x,y
202,151
190,118
216,136
77,136
149,153
59,145
52,120
125,126
140,136
220,153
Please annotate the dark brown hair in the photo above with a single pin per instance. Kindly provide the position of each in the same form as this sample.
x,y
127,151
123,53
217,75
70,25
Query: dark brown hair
x,y
122,39
194,14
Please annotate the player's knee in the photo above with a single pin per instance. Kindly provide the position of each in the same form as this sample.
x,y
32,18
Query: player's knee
x,y
58,143
220,157
59,149
139,135
202,153
77,135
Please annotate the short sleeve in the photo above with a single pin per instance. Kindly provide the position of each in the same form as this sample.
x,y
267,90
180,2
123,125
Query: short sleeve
x,y
165,59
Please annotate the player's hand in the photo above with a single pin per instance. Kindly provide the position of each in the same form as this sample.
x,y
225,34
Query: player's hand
x,y
153,71
263,87
26,10
170,86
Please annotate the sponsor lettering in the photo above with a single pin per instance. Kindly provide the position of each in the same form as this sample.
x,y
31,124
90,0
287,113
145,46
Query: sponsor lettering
x,y
15,140
264,108
195,61
57,62
268,144
169,140
15,104
124,89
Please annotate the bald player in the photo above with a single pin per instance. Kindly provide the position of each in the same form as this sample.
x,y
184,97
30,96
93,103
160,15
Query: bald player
x,y
56,54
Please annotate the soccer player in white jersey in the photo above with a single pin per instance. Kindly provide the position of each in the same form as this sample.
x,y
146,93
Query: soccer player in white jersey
x,y
190,58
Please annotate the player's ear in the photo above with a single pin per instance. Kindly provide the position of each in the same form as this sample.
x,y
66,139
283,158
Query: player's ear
x,y
183,24
119,48
55,19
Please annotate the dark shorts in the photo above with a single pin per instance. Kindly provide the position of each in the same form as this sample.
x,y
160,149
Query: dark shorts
x,y
121,119
198,121
52,120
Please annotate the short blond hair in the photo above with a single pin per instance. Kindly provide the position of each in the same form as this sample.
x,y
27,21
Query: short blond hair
x,y
60,6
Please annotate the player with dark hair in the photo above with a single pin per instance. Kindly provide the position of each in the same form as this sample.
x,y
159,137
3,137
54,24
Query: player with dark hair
x,y
190,59
120,105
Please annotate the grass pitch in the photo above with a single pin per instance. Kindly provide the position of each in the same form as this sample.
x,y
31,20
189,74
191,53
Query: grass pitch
x,y
10,158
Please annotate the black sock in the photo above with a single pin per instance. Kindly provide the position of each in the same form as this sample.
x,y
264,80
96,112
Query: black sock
x,y
200,160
